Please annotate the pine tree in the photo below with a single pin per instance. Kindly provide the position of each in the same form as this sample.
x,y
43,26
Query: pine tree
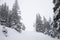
x,y
4,14
46,25
39,27
15,18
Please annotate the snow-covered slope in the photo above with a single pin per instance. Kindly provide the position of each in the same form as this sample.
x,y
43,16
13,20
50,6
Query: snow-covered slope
x,y
27,35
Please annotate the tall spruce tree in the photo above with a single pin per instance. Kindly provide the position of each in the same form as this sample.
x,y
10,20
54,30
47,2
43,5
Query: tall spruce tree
x,y
15,18
14,15
4,14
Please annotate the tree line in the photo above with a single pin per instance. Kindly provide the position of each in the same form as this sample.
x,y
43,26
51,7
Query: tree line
x,y
46,27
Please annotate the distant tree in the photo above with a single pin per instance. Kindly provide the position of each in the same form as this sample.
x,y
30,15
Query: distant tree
x,y
4,14
46,25
39,27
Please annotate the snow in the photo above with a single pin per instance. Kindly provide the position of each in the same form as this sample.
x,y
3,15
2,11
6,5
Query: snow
x,y
26,35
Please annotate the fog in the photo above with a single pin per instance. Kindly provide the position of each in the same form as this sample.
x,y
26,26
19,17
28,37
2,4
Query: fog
x,y
29,9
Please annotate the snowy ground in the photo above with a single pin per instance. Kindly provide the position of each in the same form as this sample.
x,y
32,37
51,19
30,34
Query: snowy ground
x,y
27,35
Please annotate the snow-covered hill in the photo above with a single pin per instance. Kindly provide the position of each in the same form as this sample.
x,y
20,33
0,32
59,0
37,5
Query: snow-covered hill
x,y
27,35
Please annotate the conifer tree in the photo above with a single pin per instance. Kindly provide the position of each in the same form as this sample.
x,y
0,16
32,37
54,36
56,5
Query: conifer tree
x,y
39,27
4,14
15,19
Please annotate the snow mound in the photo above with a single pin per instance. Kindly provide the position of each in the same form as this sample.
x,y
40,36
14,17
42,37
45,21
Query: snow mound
x,y
27,35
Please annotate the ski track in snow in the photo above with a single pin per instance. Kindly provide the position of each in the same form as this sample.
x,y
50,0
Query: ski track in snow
x,y
26,35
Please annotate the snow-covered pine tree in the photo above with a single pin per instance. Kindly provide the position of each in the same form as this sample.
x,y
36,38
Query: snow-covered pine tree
x,y
15,19
39,27
46,25
4,14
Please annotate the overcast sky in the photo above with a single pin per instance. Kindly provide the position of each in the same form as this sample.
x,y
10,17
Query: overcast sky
x,y
29,9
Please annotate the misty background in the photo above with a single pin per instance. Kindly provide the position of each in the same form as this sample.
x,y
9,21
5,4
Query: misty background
x,y
29,9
